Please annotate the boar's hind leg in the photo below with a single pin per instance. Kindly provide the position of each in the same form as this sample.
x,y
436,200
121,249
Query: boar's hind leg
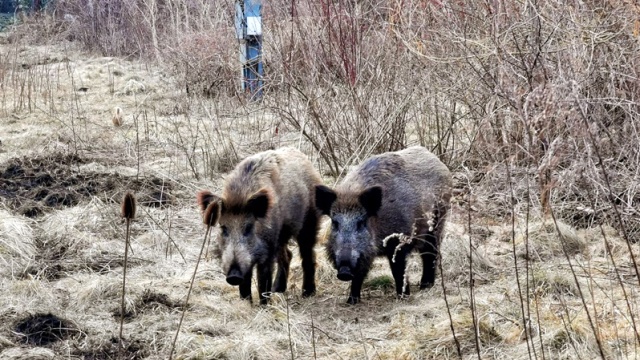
x,y
265,273
306,241
398,266
429,253
284,259
245,287
429,247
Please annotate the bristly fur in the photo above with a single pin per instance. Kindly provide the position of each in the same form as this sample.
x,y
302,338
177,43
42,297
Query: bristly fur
x,y
266,200
405,192
128,209
253,175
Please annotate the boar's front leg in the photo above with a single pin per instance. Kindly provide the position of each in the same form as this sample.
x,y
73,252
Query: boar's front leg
x,y
356,284
306,241
265,273
284,259
398,265
245,287
356,287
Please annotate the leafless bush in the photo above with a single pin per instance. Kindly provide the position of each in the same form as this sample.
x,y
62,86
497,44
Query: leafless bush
x,y
195,38
336,76
533,104
207,62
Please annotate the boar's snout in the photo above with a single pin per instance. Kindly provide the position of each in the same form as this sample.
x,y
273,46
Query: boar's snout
x,y
234,276
345,273
346,261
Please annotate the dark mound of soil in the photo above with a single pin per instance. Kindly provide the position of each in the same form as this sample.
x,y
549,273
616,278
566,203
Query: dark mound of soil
x,y
35,185
44,329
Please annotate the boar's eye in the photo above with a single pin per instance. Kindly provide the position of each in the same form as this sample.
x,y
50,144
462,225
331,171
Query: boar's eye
x,y
335,225
247,229
225,231
360,224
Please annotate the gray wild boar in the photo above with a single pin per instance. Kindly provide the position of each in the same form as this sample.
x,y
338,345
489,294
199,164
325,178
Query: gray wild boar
x,y
405,192
267,199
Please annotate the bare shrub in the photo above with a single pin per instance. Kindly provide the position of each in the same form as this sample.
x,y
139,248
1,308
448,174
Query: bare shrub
x,y
532,104
524,77
194,38
338,78
207,61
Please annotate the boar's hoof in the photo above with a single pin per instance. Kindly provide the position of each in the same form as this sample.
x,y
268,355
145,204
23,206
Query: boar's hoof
x,y
353,300
428,285
308,292
234,277
345,274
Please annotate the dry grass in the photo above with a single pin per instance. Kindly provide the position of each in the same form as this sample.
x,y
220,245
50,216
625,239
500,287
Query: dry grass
x,y
510,104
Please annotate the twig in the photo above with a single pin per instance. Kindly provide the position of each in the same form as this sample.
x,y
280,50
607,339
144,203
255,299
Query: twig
x,y
209,220
446,302
286,300
525,315
532,280
313,337
128,212
476,328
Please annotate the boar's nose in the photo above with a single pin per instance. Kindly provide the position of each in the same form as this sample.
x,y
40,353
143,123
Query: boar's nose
x,y
234,276
345,274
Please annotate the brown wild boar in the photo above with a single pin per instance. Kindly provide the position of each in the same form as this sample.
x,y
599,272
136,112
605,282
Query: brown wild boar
x,y
267,199
405,192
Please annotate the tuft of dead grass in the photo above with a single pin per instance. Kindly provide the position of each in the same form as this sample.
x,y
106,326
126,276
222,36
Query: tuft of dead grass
x,y
16,242
32,353
547,239
496,90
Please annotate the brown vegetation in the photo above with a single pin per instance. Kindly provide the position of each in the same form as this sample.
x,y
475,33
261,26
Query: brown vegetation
x,y
532,105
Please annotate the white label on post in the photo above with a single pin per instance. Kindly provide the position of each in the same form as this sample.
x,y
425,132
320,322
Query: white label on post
x,y
254,25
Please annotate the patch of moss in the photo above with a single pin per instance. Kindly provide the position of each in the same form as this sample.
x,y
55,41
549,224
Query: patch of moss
x,y
384,282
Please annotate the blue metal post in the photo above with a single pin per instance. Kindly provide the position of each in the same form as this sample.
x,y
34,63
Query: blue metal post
x,y
249,33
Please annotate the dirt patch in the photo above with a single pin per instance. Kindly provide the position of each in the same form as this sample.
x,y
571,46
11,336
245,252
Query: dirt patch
x,y
44,329
36,185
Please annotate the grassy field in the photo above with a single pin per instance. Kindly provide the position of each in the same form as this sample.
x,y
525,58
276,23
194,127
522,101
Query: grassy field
x,y
539,255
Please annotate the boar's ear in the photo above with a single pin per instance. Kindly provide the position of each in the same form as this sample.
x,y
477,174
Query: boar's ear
x,y
324,199
210,205
259,203
211,214
205,198
371,200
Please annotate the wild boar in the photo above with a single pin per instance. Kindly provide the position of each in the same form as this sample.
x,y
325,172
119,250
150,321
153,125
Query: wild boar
x,y
266,200
389,205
